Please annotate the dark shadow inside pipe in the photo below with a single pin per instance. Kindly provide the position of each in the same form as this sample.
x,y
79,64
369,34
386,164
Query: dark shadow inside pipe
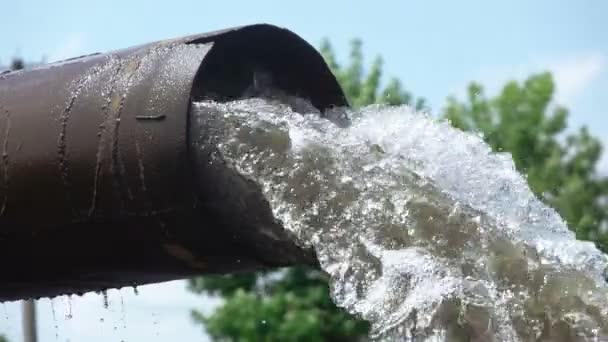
x,y
294,66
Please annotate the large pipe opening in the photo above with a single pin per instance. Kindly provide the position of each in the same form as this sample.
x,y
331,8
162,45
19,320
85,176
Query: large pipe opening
x,y
99,187
294,66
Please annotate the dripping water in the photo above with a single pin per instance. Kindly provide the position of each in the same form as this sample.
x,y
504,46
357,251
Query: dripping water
x,y
155,323
53,312
68,313
5,312
123,313
106,303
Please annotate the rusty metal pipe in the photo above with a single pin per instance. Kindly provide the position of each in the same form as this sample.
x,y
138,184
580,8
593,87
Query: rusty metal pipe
x,y
98,185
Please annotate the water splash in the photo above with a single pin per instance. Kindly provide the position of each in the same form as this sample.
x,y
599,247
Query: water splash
x,y
423,230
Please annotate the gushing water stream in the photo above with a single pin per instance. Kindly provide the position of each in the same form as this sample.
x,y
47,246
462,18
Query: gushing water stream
x,y
423,231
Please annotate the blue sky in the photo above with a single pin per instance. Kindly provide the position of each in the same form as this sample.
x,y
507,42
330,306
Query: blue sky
x,y
434,47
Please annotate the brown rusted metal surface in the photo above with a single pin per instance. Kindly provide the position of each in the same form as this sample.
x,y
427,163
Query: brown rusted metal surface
x,y
98,188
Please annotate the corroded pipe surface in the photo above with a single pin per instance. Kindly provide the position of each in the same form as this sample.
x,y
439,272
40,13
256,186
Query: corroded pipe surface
x,y
98,184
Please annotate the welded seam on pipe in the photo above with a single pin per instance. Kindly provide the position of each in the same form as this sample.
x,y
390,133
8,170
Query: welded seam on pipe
x,y
117,162
101,138
62,141
114,168
138,147
5,160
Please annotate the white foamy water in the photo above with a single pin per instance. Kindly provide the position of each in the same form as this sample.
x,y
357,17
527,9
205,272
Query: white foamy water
x,y
423,231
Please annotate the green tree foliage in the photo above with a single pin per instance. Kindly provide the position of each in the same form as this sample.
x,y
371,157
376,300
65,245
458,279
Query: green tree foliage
x,y
560,166
294,304
289,305
363,88
3,339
